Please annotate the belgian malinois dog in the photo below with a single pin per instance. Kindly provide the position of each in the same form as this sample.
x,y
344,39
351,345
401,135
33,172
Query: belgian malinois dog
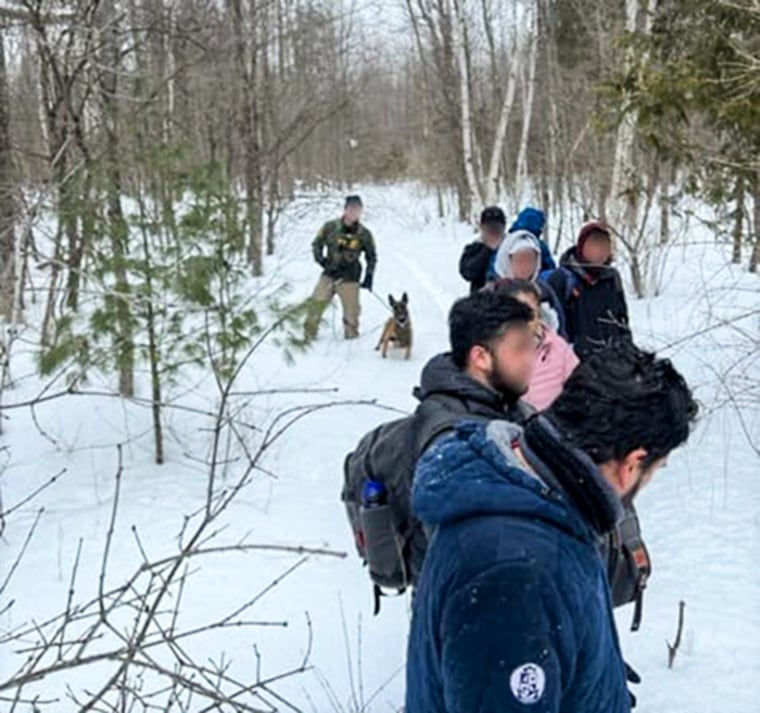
x,y
398,329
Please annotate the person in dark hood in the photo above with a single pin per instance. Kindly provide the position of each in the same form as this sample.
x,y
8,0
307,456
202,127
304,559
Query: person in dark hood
x,y
590,292
513,610
478,256
487,371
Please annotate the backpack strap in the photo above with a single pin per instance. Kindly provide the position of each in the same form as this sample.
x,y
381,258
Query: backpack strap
x,y
634,547
626,543
572,284
377,596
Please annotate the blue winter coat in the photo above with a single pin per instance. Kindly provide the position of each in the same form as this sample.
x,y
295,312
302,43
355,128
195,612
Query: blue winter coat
x,y
533,219
513,610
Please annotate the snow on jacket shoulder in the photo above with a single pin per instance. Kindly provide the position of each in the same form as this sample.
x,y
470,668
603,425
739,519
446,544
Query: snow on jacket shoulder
x,y
555,361
513,610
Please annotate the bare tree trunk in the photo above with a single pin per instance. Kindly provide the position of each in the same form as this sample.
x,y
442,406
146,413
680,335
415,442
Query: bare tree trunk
x,y
755,257
246,59
665,203
468,150
521,173
117,224
492,181
171,68
736,254
154,356
621,195
488,26
7,196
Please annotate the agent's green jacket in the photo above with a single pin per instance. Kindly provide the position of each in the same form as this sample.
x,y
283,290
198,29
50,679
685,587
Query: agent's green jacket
x,y
337,248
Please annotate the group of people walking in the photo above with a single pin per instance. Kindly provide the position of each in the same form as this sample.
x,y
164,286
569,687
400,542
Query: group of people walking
x,y
509,492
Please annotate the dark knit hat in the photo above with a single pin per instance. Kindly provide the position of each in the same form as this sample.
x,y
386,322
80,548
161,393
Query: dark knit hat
x,y
354,200
493,215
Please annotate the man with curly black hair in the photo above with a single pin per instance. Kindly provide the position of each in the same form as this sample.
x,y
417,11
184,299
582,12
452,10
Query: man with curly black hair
x,y
514,608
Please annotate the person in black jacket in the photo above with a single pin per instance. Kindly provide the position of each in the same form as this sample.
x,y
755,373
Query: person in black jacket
x,y
591,292
487,371
477,256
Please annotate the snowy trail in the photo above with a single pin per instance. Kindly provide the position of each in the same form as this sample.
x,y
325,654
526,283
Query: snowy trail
x,y
700,516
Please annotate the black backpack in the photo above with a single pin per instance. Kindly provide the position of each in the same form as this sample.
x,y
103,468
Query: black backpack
x,y
392,542
389,539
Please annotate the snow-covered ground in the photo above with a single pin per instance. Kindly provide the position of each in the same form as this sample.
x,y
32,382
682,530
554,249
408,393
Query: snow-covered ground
x,y
701,516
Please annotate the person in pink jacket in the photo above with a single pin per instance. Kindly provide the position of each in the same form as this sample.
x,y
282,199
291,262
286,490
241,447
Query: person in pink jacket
x,y
555,358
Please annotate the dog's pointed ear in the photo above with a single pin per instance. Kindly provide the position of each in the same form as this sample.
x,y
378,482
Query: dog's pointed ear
x,y
404,299
391,301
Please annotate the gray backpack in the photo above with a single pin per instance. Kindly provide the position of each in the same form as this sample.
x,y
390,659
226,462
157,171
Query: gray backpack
x,y
389,539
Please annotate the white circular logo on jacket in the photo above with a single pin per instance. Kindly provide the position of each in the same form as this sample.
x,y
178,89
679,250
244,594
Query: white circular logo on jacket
x,y
527,683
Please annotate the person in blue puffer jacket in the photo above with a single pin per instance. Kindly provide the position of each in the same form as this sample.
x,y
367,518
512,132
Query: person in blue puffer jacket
x,y
534,220
513,610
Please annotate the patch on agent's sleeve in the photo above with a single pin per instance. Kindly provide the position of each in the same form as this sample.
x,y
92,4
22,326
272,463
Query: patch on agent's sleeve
x,y
527,683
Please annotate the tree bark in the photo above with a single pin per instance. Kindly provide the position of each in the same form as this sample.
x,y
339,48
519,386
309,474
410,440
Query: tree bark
x,y
246,60
465,104
738,232
755,257
117,224
665,203
521,172
8,210
492,182
622,193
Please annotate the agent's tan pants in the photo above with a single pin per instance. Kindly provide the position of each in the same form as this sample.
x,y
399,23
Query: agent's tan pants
x,y
320,300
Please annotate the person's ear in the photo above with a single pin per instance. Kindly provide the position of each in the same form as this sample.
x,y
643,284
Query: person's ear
x,y
629,470
480,359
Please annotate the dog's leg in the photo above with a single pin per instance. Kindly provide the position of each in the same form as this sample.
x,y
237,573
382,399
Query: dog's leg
x,y
383,336
387,340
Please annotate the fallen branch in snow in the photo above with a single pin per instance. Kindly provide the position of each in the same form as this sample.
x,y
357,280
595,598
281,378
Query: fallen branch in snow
x,y
673,648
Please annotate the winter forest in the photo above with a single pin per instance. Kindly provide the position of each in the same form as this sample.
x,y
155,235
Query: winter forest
x,y
172,443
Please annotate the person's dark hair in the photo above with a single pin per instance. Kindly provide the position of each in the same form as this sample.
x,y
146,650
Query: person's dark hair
x,y
493,215
621,399
512,287
482,318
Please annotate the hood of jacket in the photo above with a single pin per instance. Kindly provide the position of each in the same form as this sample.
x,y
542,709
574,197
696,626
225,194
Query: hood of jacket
x,y
531,219
585,271
513,243
477,472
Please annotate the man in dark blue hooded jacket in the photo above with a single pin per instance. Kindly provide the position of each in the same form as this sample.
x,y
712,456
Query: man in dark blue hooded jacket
x,y
513,611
